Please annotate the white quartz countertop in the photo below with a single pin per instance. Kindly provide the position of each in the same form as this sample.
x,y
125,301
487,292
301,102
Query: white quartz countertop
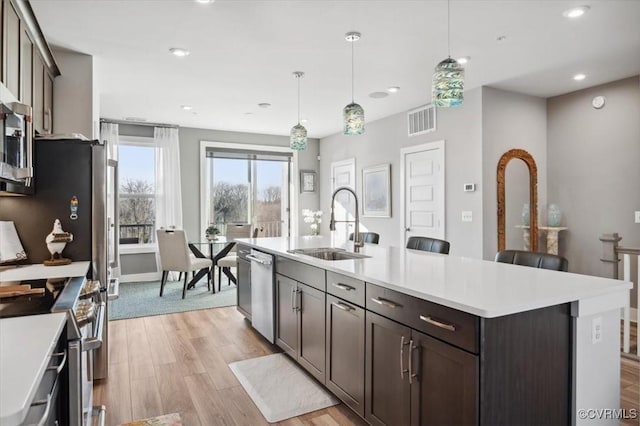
x,y
484,288
26,344
39,271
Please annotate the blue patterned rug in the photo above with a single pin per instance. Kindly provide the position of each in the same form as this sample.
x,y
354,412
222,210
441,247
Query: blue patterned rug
x,y
141,299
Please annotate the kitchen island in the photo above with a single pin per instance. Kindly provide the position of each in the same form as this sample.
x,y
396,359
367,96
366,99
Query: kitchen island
x,y
405,336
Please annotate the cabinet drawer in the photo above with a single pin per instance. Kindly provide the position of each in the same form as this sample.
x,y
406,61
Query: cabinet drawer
x,y
310,275
347,288
450,325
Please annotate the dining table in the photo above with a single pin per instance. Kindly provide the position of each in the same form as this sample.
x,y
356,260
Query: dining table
x,y
217,248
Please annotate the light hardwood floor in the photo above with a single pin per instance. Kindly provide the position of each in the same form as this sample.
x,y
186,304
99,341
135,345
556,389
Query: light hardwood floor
x,y
178,363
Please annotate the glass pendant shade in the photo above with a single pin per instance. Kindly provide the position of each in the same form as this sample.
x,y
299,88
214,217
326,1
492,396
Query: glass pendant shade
x,y
448,84
298,140
353,117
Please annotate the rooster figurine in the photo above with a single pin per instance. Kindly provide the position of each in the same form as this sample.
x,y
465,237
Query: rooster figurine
x,y
56,241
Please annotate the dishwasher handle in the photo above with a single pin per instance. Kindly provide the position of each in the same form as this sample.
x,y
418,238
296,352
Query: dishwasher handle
x,y
259,260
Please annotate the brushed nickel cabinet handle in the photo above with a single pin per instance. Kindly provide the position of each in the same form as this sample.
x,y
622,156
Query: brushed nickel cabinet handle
x,y
412,375
432,321
343,306
402,345
385,302
60,365
343,286
293,303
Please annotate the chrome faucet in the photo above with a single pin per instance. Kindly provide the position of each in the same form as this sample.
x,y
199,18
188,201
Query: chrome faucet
x,y
332,223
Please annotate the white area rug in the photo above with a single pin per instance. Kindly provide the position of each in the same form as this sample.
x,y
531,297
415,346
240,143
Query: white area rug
x,y
280,388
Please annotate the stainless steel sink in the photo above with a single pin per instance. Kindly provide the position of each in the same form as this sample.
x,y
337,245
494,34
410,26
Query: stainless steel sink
x,y
328,253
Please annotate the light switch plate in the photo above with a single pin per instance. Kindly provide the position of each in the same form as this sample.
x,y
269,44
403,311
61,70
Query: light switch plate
x,y
596,330
637,217
467,216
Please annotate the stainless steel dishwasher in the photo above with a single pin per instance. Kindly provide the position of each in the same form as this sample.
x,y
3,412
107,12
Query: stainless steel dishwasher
x,y
262,293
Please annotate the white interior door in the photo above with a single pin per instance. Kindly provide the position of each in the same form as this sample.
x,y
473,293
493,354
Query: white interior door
x,y
422,175
343,173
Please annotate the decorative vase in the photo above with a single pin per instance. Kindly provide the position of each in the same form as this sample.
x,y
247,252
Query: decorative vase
x,y
525,215
554,215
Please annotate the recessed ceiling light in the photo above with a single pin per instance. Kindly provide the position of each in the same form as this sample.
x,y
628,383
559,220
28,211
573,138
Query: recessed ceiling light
x,y
463,60
205,1
575,12
501,38
178,51
393,89
264,105
303,120
579,77
378,95
186,107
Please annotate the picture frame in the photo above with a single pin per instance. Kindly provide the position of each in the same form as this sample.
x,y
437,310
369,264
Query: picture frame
x,y
307,181
376,191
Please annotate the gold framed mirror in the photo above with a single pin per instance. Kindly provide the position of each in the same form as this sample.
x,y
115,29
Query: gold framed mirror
x,y
523,155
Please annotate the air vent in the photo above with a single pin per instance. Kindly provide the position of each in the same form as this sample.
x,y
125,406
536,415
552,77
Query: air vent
x,y
422,120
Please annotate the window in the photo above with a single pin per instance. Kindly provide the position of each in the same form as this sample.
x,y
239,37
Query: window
x,y
247,186
137,183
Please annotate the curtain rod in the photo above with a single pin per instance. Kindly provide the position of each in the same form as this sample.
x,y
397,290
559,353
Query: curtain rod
x,y
139,123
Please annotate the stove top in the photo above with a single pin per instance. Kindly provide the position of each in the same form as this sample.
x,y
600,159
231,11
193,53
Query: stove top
x,y
33,304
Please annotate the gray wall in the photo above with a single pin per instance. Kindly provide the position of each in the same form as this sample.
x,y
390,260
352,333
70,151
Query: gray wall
x,y
594,169
510,120
460,128
190,168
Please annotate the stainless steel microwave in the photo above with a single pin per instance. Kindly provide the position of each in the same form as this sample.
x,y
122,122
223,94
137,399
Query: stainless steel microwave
x,y
16,149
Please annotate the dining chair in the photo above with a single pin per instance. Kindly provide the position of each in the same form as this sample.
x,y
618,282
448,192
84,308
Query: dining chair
x,y
367,237
533,259
433,245
228,258
175,256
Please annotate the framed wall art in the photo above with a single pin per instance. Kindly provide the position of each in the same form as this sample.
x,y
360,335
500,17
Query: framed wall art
x,y
376,191
307,181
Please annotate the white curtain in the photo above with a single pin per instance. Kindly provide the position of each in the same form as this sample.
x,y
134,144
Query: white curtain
x,y
168,192
109,136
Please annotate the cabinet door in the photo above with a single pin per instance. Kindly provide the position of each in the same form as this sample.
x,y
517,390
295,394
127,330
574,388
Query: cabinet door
x,y
444,387
48,103
345,352
11,56
387,388
286,315
26,73
244,287
38,93
311,320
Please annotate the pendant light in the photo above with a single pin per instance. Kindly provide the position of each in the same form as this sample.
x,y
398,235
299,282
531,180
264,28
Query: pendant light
x,y
298,140
353,114
448,78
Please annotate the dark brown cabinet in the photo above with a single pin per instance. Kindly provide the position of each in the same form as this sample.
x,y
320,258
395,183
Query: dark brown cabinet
x,y
244,286
388,395
415,379
300,324
345,352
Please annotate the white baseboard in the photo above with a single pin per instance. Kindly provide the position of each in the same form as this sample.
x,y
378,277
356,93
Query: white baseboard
x,y
148,276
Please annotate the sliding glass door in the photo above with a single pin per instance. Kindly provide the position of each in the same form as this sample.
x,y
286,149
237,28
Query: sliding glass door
x,y
248,188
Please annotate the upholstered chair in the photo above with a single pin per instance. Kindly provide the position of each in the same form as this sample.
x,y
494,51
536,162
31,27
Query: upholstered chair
x,y
433,245
367,237
533,259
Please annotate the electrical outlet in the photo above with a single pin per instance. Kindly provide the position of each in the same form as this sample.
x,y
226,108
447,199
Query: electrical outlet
x,y
596,330
467,216
637,217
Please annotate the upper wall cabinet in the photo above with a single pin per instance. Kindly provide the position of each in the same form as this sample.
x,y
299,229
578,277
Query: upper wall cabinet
x,y
28,67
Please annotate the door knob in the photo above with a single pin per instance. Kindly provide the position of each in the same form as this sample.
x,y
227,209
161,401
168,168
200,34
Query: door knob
x,y
408,229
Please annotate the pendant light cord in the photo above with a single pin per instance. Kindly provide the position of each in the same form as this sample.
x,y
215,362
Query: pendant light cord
x,y
449,28
298,77
352,72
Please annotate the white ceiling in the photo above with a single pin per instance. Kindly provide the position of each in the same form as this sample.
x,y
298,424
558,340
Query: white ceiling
x,y
244,53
